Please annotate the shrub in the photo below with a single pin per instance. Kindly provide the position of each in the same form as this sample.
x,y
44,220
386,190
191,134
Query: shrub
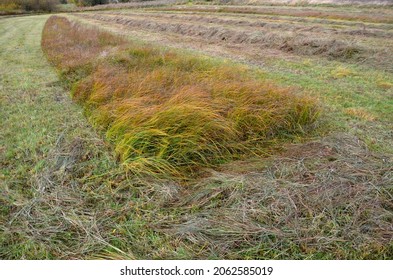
x,y
90,2
9,6
29,5
37,5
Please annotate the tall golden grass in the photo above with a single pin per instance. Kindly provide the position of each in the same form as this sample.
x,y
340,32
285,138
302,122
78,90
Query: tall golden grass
x,y
167,112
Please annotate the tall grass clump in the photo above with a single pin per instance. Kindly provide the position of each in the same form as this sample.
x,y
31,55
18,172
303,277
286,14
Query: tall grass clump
x,y
166,112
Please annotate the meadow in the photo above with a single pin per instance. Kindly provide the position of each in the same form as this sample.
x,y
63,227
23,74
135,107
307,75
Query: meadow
x,y
198,131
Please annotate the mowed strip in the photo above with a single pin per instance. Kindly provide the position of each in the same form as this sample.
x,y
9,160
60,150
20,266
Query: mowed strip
x,y
28,106
49,155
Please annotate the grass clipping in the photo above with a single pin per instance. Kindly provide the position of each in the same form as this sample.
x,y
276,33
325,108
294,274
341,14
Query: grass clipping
x,y
166,112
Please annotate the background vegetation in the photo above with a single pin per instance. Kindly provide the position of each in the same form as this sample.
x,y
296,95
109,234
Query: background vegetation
x,y
29,5
90,2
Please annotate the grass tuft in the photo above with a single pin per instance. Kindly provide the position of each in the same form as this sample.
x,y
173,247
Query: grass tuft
x,y
360,113
167,112
341,72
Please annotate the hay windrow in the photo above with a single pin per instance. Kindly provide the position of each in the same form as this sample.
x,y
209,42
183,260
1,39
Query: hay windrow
x,y
300,44
262,23
285,11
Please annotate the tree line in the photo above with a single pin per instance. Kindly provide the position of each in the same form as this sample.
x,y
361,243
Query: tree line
x,y
48,5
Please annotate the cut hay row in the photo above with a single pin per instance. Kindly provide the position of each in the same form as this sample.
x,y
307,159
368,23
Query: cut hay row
x,y
264,24
287,42
353,48
327,199
272,18
171,113
370,15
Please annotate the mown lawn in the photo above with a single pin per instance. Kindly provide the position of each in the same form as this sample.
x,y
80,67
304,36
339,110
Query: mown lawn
x,y
46,149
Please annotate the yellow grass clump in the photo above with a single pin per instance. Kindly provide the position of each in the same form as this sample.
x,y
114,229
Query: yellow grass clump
x,y
360,113
167,112
341,72
384,85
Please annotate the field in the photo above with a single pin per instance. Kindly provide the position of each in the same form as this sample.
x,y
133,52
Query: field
x,y
198,131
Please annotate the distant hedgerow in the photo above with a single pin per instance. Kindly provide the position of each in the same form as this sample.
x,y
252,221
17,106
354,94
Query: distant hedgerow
x,y
29,5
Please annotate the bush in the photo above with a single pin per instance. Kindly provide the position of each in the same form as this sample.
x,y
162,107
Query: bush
x,y
9,6
32,5
90,2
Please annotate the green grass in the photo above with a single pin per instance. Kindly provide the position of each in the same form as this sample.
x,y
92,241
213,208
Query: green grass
x,y
359,98
359,86
44,138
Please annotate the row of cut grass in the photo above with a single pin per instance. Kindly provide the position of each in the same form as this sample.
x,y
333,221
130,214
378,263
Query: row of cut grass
x,y
167,112
370,15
